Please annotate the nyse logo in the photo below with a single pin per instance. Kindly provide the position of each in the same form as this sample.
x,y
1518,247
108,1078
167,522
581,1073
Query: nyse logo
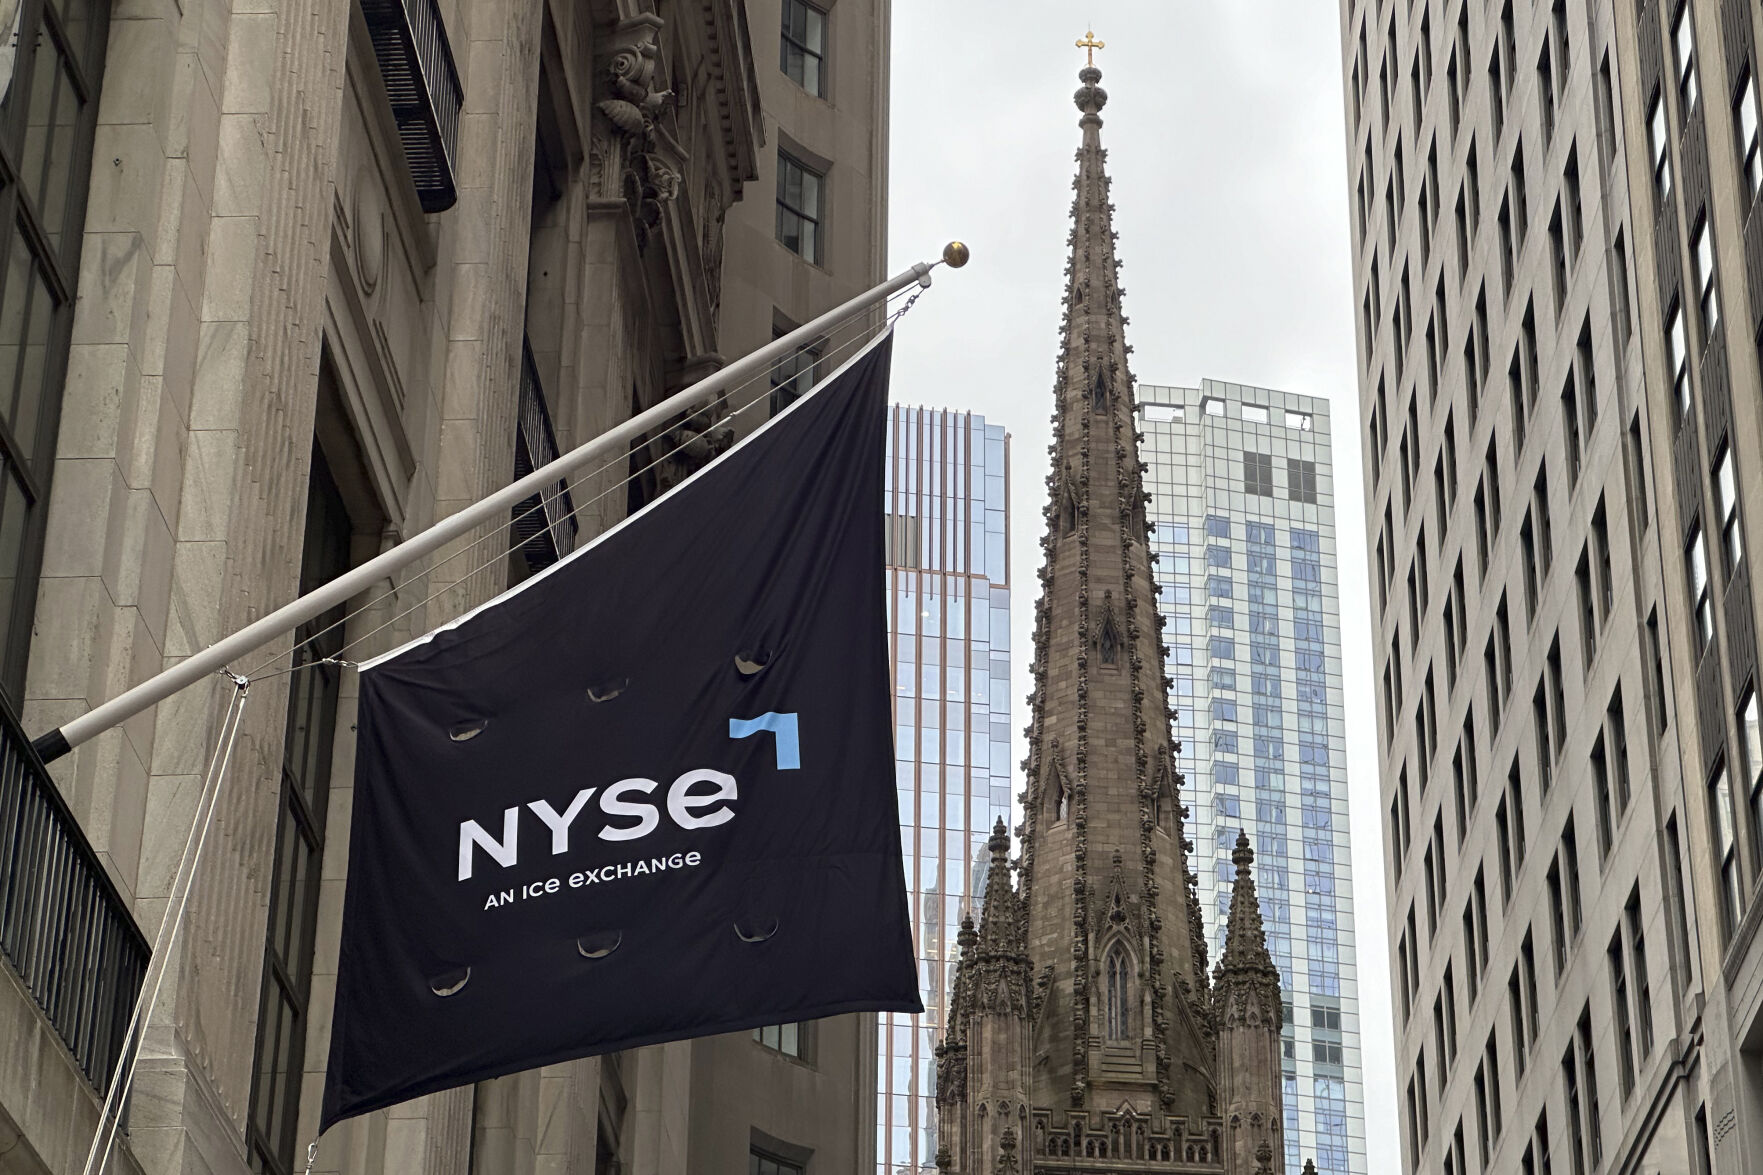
x,y
628,809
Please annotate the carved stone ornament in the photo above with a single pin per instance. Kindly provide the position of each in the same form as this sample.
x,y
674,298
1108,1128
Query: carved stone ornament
x,y
631,107
712,244
370,235
634,100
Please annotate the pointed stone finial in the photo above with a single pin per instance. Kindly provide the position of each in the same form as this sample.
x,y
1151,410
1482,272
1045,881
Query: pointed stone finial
x,y
967,936
998,923
999,844
1245,940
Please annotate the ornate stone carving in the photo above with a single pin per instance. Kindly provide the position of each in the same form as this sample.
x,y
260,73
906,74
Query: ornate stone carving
x,y
689,445
713,214
634,101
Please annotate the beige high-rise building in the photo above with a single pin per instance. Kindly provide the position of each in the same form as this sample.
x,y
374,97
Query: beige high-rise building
x,y
286,283
1559,285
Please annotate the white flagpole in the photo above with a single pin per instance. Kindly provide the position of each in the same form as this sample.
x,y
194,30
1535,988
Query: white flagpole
x,y
254,636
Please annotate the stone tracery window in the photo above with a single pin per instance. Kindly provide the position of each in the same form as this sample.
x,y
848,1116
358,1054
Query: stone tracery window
x,y
1118,972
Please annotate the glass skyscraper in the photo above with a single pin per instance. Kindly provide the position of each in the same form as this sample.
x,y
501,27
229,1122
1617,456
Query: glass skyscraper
x,y
949,609
1244,530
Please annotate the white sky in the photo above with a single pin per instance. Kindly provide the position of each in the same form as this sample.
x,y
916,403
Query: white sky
x,y
1225,126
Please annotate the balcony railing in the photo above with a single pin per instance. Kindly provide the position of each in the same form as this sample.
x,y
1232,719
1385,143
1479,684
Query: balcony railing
x,y
63,927
544,527
422,85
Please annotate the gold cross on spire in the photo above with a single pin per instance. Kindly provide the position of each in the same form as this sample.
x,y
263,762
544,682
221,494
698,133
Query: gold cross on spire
x,y
1089,44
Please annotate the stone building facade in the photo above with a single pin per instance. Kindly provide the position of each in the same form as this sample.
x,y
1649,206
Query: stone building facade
x,y
1559,284
1084,1032
287,283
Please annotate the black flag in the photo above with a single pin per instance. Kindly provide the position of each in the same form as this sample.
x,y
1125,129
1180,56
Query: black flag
x,y
647,795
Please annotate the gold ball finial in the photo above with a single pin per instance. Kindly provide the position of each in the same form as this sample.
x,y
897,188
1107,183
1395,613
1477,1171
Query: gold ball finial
x,y
955,254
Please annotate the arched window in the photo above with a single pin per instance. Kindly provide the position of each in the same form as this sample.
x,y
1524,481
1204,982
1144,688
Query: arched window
x,y
1118,971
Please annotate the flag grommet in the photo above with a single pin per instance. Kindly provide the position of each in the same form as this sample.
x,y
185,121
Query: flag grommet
x,y
752,662
607,690
757,929
449,982
598,946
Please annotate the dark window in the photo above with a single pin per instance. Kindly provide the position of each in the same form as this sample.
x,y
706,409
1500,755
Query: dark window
x,y
313,690
760,1163
46,124
1722,820
801,207
1119,993
792,375
1658,139
1258,474
1683,39
1301,480
1726,511
804,46
1701,600
1744,125
787,1039
1620,1007
1707,293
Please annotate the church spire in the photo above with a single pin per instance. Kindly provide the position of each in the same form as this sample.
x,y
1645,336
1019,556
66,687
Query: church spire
x,y
1083,1024
1118,948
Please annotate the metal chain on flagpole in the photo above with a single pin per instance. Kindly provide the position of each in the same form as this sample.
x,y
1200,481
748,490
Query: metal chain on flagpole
x,y
123,1076
262,671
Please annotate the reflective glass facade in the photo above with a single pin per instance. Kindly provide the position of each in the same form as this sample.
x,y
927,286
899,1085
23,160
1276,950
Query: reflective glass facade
x,y
1243,526
949,607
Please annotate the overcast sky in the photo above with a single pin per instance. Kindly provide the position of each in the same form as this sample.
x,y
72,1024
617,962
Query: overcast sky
x,y
1224,125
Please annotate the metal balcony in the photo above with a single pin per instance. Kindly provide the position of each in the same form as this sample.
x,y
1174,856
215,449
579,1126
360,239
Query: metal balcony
x,y
422,85
544,528
64,928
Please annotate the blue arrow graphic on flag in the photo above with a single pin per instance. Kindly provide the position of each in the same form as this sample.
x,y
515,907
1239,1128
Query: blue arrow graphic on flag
x,y
789,751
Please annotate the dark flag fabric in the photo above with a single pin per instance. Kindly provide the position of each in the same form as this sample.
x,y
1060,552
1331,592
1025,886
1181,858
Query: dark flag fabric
x,y
647,794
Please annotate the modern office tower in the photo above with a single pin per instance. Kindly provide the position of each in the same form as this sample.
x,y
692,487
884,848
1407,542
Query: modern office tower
x,y
949,592
1242,507
1559,284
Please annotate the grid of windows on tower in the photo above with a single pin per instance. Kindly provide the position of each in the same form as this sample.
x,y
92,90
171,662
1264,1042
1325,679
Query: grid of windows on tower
x,y
1243,529
949,619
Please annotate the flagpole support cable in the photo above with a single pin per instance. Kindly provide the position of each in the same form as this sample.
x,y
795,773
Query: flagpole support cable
x,y
579,507
58,742
122,1078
